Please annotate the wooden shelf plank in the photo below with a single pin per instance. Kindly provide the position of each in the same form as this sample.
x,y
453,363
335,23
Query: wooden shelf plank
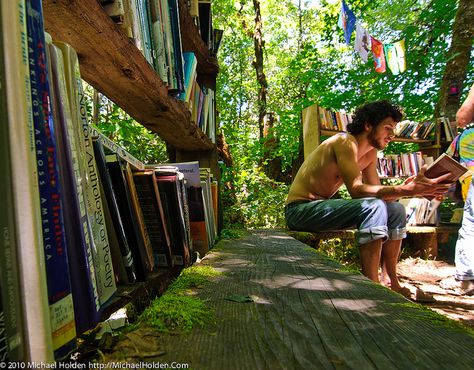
x,y
111,63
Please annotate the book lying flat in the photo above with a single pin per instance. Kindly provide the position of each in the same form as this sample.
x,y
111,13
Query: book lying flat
x,y
446,164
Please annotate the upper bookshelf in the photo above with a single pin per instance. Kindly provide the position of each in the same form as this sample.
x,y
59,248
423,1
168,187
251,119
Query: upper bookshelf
x,y
319,122
112,64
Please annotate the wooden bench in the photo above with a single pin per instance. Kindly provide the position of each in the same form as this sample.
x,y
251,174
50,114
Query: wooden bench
x,y
422,241
307,312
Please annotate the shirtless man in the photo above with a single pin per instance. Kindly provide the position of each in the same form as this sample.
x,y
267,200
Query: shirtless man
x,y
351,158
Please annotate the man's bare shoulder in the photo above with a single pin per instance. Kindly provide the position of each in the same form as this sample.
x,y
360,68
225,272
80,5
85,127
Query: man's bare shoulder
x,y
342,141
341,138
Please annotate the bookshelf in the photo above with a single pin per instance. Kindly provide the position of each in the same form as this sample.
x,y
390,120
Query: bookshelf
x,y
112,64
313,132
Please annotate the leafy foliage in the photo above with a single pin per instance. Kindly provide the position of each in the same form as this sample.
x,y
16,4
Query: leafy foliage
x,y
259,200
118,126
307,61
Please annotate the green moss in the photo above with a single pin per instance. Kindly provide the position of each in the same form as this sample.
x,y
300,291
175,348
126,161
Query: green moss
x,y
192,277
233,233
176,310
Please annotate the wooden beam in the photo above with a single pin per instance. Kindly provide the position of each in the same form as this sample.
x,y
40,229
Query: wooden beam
x,y
111,63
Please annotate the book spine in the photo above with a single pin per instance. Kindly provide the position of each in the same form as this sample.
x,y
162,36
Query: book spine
x,y
102,256
177,47
147,252
124,203
168,187
54,241
84,286
153,216
127,259
114,147
158,40
11,327
75,135
32,272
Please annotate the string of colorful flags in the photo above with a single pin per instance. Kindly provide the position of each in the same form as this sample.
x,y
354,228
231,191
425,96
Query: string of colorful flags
x,y
391,55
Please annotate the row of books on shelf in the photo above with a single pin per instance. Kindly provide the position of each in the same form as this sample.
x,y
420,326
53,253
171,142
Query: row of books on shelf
x,y
401,165
415,130
333,120
199,99
80,215
154,27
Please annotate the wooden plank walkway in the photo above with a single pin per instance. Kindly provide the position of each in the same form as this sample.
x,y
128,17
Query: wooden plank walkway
x,y
310,314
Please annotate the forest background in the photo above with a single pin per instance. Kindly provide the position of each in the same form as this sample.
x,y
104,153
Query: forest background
x,y
279,56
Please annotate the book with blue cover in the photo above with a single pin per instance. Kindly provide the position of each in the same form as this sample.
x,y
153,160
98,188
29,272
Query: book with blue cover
x,y
52,221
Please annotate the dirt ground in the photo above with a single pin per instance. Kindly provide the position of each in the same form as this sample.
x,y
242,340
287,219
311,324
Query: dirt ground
x,y
426,275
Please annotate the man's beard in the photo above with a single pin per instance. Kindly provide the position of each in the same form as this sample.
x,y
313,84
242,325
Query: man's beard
x,y
375,143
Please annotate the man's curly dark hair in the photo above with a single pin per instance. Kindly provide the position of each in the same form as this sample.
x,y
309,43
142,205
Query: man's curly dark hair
x,y
373,113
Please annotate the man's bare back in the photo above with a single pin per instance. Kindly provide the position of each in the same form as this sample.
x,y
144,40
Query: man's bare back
x,y
319,177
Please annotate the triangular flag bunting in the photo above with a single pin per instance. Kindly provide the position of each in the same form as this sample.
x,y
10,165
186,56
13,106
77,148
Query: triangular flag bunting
x,y
378,54
362,42
395,54
347,21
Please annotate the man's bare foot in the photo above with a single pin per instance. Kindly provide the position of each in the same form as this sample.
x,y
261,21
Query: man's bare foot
x,y
404,291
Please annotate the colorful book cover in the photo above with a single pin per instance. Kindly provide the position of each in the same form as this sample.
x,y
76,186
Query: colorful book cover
x,y
52,221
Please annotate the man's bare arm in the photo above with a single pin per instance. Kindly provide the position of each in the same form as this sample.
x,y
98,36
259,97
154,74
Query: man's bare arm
x,y
346,156
465,114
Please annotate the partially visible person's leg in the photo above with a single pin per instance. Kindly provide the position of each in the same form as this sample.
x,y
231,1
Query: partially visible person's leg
x,y
391,248
464,258
370,259
368,214
463,281
389,260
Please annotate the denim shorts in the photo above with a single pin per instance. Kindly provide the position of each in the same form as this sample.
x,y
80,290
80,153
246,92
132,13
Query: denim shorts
x,y
372,217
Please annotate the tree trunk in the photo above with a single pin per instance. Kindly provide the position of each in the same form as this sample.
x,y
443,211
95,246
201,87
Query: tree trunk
x,y
258,65
272,165
457,61
298,161
223,150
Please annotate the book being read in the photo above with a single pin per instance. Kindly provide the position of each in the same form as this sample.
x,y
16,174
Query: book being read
x,y
446,164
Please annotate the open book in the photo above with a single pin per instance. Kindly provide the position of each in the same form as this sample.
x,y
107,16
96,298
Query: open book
x,y
446,164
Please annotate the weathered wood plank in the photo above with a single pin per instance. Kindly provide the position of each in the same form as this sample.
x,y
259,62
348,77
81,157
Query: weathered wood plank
x,y
310,314
111,63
